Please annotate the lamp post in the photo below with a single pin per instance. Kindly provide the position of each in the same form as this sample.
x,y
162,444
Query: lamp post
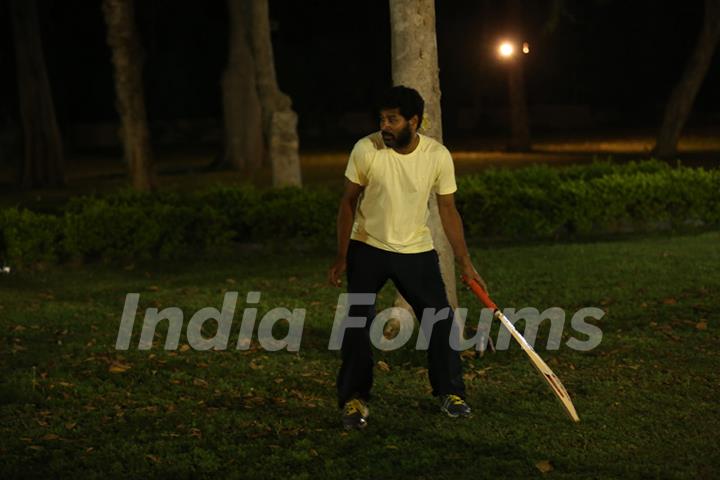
x,y
508,51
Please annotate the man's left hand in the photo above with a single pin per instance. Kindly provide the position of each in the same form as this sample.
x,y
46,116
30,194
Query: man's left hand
x,y
467,270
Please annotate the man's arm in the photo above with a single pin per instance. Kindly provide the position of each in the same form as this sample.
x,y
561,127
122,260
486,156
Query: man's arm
x,y
452,224
345,219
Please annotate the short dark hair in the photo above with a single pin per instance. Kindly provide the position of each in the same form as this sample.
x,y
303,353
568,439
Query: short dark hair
x,y
407,100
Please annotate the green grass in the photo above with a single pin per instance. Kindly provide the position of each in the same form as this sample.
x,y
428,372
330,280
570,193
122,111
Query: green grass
x,y
646,395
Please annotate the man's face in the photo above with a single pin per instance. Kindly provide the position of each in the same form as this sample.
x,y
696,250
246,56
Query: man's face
x,y
396,131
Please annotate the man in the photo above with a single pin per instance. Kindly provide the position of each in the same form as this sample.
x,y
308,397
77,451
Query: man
x,y
385,236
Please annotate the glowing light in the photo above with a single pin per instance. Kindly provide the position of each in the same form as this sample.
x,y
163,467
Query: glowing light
x,y
526,47
506,50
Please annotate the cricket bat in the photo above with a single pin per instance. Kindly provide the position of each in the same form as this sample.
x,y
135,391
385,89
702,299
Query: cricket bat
x,y
542,368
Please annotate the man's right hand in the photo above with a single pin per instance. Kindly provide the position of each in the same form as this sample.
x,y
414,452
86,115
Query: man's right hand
x,y
336,271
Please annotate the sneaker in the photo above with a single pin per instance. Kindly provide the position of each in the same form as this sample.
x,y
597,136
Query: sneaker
x,y
454,406
355,414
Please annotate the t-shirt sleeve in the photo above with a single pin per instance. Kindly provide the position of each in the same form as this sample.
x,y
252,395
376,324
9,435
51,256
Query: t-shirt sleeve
x,y
356,170
445,181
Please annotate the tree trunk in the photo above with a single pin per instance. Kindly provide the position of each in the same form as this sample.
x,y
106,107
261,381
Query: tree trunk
x,y
241,103
415,64
519,126
43,165
683,95
279,120
520,131
127,56
284,146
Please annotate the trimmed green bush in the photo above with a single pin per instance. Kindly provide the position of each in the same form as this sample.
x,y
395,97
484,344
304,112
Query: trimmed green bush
x,y
27,237
541,201
532,202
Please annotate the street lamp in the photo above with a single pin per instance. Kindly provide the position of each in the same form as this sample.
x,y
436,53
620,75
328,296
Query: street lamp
x,y
506,49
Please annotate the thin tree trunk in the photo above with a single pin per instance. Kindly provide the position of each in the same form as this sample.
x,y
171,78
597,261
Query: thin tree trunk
x,y
415,64
241,103
520,131
127,56
683,96
279,120
519,126
43,165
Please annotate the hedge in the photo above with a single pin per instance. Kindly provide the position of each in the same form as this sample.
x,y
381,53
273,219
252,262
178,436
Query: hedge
x,y
531,202
542,202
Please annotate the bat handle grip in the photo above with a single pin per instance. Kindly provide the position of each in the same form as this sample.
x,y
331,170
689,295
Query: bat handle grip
x,y
480,292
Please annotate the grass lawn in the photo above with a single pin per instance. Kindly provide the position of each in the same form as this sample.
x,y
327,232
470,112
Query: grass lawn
x,y
73,406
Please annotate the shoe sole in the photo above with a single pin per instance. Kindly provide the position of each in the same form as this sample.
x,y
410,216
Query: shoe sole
x,y
455,415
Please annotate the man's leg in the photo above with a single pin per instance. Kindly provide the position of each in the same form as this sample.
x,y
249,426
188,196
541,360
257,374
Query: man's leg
x,y
417,277
367,272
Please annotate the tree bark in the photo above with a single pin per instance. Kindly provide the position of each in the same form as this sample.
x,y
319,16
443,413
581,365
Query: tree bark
x,y
415,64
683,95
127,57
43,165
241,102
279,120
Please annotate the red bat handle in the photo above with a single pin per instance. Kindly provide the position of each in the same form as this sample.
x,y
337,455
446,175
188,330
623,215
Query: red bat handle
x,y
481,294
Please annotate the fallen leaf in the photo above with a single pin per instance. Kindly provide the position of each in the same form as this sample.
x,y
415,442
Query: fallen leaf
x,y
467,354
701,325
117,367
544,466
50,436
670,301
153,288
382,366
153,458
184,347
70,425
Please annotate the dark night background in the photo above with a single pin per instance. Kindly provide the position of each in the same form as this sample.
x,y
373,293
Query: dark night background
x,y
608,65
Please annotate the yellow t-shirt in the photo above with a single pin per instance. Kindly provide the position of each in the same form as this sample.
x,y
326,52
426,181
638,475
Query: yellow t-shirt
x,y
393,211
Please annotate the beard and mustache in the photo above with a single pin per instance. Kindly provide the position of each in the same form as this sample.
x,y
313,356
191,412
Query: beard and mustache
x,y
401,140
